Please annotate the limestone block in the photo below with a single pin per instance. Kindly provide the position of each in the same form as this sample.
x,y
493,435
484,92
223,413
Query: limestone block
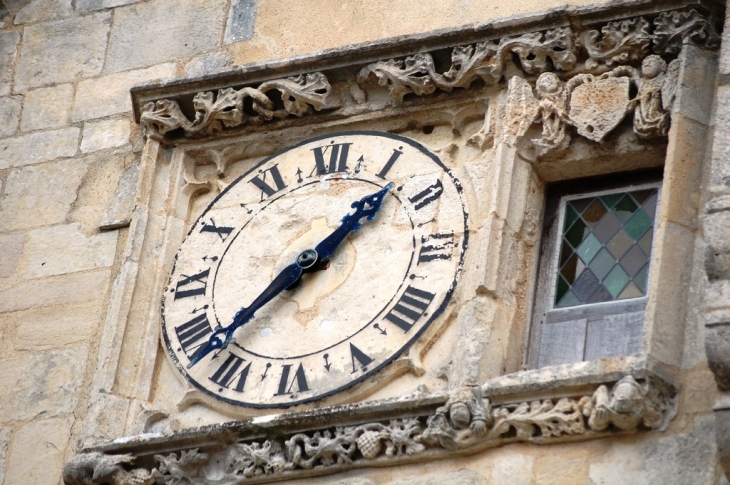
x,y
9,114
54,327
4,442
720,169
12,248
41,383
722,437
195,27
119,211
91,5
565,466
514,469
37,452
461,477
717,346
38,147
717,231
105,419
688,458
105,134
73,288
62,51
109,95
8,50
207,63
40,195
47,107
43,11
241,20
66,249
696,91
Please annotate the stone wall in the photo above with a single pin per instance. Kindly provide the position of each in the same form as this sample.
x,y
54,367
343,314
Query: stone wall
x,y
68,137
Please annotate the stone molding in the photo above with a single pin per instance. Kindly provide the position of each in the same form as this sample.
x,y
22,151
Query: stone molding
x,y
465,422
600,58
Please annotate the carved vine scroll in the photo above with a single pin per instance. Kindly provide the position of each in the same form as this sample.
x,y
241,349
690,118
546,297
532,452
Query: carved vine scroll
x,y
466,421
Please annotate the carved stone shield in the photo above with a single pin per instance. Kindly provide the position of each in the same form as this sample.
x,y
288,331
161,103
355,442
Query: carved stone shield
x,y
598,107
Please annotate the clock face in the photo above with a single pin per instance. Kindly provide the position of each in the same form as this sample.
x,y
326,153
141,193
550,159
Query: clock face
x,y
381,288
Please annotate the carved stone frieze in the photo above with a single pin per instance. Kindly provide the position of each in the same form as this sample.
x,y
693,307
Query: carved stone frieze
x,y
562,52
466,421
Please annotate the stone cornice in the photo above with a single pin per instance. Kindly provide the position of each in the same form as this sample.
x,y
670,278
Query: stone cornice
x,y
338,84
391,432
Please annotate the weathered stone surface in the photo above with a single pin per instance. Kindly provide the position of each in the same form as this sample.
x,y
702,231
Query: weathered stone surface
x,y
91,5
62,51
207,63
9,114
43,383
8,50
566,467
720,168
4,442
12,248
105,134
47,107
60,290
37,452
38,147
241,20
109,95
81,252
54,327
461,477
717,347
119,211
40,195
514,469
194,28
672,459
43,11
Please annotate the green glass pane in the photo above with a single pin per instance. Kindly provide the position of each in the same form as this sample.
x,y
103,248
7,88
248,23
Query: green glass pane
x,y
611,199
565,253
616,281
650,205
602,263
637,225
570,217
633,261
645,241
594,212
561,287
576,233
640,279
605,229
631,291
620,243
588,248
641,195
568,270
625,207
568,300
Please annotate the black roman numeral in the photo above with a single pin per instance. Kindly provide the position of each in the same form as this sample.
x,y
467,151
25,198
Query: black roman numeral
x,y
222,231
228,371
198,283
337,161
427,195
440,246
266,189
389,164
299,378
410,307
193,333
360,356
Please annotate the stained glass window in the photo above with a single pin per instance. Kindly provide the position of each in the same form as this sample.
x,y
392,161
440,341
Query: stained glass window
x,y
605,247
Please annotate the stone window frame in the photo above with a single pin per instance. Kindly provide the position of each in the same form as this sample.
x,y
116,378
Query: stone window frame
x,y
554,404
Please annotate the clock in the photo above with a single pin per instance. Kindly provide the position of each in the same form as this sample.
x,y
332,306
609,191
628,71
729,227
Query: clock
x,y
315,270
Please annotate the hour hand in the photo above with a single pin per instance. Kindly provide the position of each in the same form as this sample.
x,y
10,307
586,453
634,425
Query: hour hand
x,y
368,207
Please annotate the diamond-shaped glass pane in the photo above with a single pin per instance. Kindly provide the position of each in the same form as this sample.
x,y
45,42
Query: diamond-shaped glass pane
x,y
605,248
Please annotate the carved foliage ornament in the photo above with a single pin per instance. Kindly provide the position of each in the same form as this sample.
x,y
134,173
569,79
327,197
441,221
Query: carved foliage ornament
x,y
467,420
617,43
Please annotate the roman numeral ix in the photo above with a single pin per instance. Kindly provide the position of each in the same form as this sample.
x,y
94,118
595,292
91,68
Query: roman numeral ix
x,y
192,285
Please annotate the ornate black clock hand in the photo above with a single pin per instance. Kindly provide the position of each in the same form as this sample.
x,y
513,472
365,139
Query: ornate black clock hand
x,y
307,261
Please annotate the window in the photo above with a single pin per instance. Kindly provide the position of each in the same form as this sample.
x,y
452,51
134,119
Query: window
x,y
594,269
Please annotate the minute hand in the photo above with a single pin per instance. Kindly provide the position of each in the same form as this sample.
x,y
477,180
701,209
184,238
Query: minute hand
x,y
368,207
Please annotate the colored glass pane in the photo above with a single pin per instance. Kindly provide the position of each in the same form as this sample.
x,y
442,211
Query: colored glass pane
x,y
585,285
650,205
568,300
576,233
580,204
602,263
645,241
606,228
625,207
562,288
640,279
588,248
633,261
641,195
620,243
600,295
568,270
631,291
594,212
565,253
611,199
570,217
637,225
616,281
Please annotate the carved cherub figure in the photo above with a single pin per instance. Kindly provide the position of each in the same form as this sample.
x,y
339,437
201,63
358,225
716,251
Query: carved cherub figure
x,y
656,83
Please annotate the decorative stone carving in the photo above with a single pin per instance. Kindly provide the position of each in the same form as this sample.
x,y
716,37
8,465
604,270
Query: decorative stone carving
x,y
673,29
465,421
620,42
300,95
